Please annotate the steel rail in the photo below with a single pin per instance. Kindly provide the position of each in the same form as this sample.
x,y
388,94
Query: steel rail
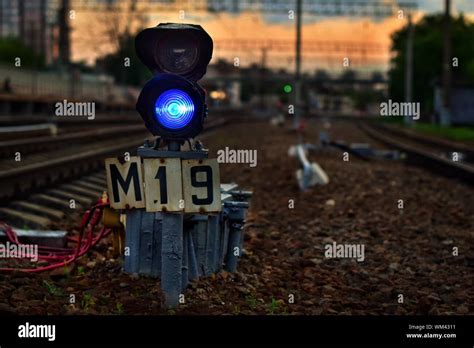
x,y
422,157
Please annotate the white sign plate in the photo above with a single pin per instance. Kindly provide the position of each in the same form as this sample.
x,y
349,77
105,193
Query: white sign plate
x,y
124,182
164,184
163,188
201,186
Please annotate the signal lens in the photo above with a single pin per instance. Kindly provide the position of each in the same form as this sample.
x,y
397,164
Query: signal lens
x,y
174,109
178,54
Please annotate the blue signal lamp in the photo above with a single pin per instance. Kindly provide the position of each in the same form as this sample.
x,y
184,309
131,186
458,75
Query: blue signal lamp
x,y
172,107
172,104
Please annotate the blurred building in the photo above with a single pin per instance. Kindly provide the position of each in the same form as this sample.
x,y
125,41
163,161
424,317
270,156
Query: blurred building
x,y
39,24
461,104
223,85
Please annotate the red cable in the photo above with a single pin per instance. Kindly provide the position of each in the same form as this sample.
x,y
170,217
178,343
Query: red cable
x,y
65,256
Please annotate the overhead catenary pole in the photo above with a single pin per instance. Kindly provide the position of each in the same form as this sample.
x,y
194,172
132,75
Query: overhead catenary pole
x,y
261,86
409,67
445,119
64,33
297,99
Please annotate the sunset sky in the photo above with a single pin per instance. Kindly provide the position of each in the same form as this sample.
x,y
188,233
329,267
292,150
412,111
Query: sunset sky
x,y
90,38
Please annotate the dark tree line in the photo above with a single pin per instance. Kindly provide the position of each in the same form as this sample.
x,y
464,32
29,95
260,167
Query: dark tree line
x,y
428,58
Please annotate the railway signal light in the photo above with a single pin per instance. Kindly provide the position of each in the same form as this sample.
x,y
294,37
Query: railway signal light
x,y
172,104
174,182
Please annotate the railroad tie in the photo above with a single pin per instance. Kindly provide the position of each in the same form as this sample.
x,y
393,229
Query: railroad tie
x,y
38,209
61,204
84,201
81,191
96,181
13,216
97,188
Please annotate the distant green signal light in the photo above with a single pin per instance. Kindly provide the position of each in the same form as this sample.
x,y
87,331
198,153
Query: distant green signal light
x,y
287,88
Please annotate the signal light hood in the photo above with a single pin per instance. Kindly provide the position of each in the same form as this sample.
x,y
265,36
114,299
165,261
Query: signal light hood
x,y
182,49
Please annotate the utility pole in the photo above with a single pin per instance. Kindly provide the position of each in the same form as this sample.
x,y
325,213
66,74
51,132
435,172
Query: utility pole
x,y
64,29
263,64
42,32
445,110
409,67
297,101
21,20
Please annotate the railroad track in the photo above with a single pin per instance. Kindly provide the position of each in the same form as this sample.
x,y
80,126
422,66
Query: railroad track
x,y
51,206
9,148
442,147
419,152
102,119
38,192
